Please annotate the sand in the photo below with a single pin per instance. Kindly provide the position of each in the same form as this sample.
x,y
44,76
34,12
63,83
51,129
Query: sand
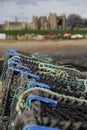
x,y
70,46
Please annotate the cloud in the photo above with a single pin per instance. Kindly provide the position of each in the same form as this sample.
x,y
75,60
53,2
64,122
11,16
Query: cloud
x,y
33,2
24,2
25,9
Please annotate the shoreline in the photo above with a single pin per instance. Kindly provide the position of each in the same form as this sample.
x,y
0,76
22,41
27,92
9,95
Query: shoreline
x,y
70,46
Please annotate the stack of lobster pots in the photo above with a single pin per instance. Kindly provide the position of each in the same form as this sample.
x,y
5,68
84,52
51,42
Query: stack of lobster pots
x,y
39,95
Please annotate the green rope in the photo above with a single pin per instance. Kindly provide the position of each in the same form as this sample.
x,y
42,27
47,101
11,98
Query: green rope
x,y
16,90
41,58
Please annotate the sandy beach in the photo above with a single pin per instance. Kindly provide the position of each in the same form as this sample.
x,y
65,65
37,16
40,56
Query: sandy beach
x,y
70,46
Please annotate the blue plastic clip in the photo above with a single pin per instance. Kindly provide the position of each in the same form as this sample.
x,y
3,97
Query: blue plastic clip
x,y
46,100
10,52
37,84
14,69
26,73
32,75
12,62
24,67
37,127
15,58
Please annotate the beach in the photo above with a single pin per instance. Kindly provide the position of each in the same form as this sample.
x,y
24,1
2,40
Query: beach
x,y
70,46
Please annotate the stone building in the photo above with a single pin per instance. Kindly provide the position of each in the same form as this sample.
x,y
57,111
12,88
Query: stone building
x,y
56,22
24,25
61,22
43,23
52,22
35,22
12,25
1,27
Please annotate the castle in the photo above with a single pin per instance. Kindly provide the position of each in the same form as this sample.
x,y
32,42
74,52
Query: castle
x,y
52,22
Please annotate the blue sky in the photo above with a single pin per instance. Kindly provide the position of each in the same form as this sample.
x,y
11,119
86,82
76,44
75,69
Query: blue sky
x,y
25,9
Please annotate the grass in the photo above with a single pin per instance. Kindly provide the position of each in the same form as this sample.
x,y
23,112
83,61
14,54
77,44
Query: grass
x,y
42,32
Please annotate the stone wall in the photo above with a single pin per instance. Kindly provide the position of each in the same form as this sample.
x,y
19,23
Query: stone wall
x,y
52,22
43,23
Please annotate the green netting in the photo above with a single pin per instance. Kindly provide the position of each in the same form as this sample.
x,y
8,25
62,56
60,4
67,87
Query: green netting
x,y
41,58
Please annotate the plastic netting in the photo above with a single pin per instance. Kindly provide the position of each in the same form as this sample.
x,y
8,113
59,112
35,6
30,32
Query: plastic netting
x,y
36,92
